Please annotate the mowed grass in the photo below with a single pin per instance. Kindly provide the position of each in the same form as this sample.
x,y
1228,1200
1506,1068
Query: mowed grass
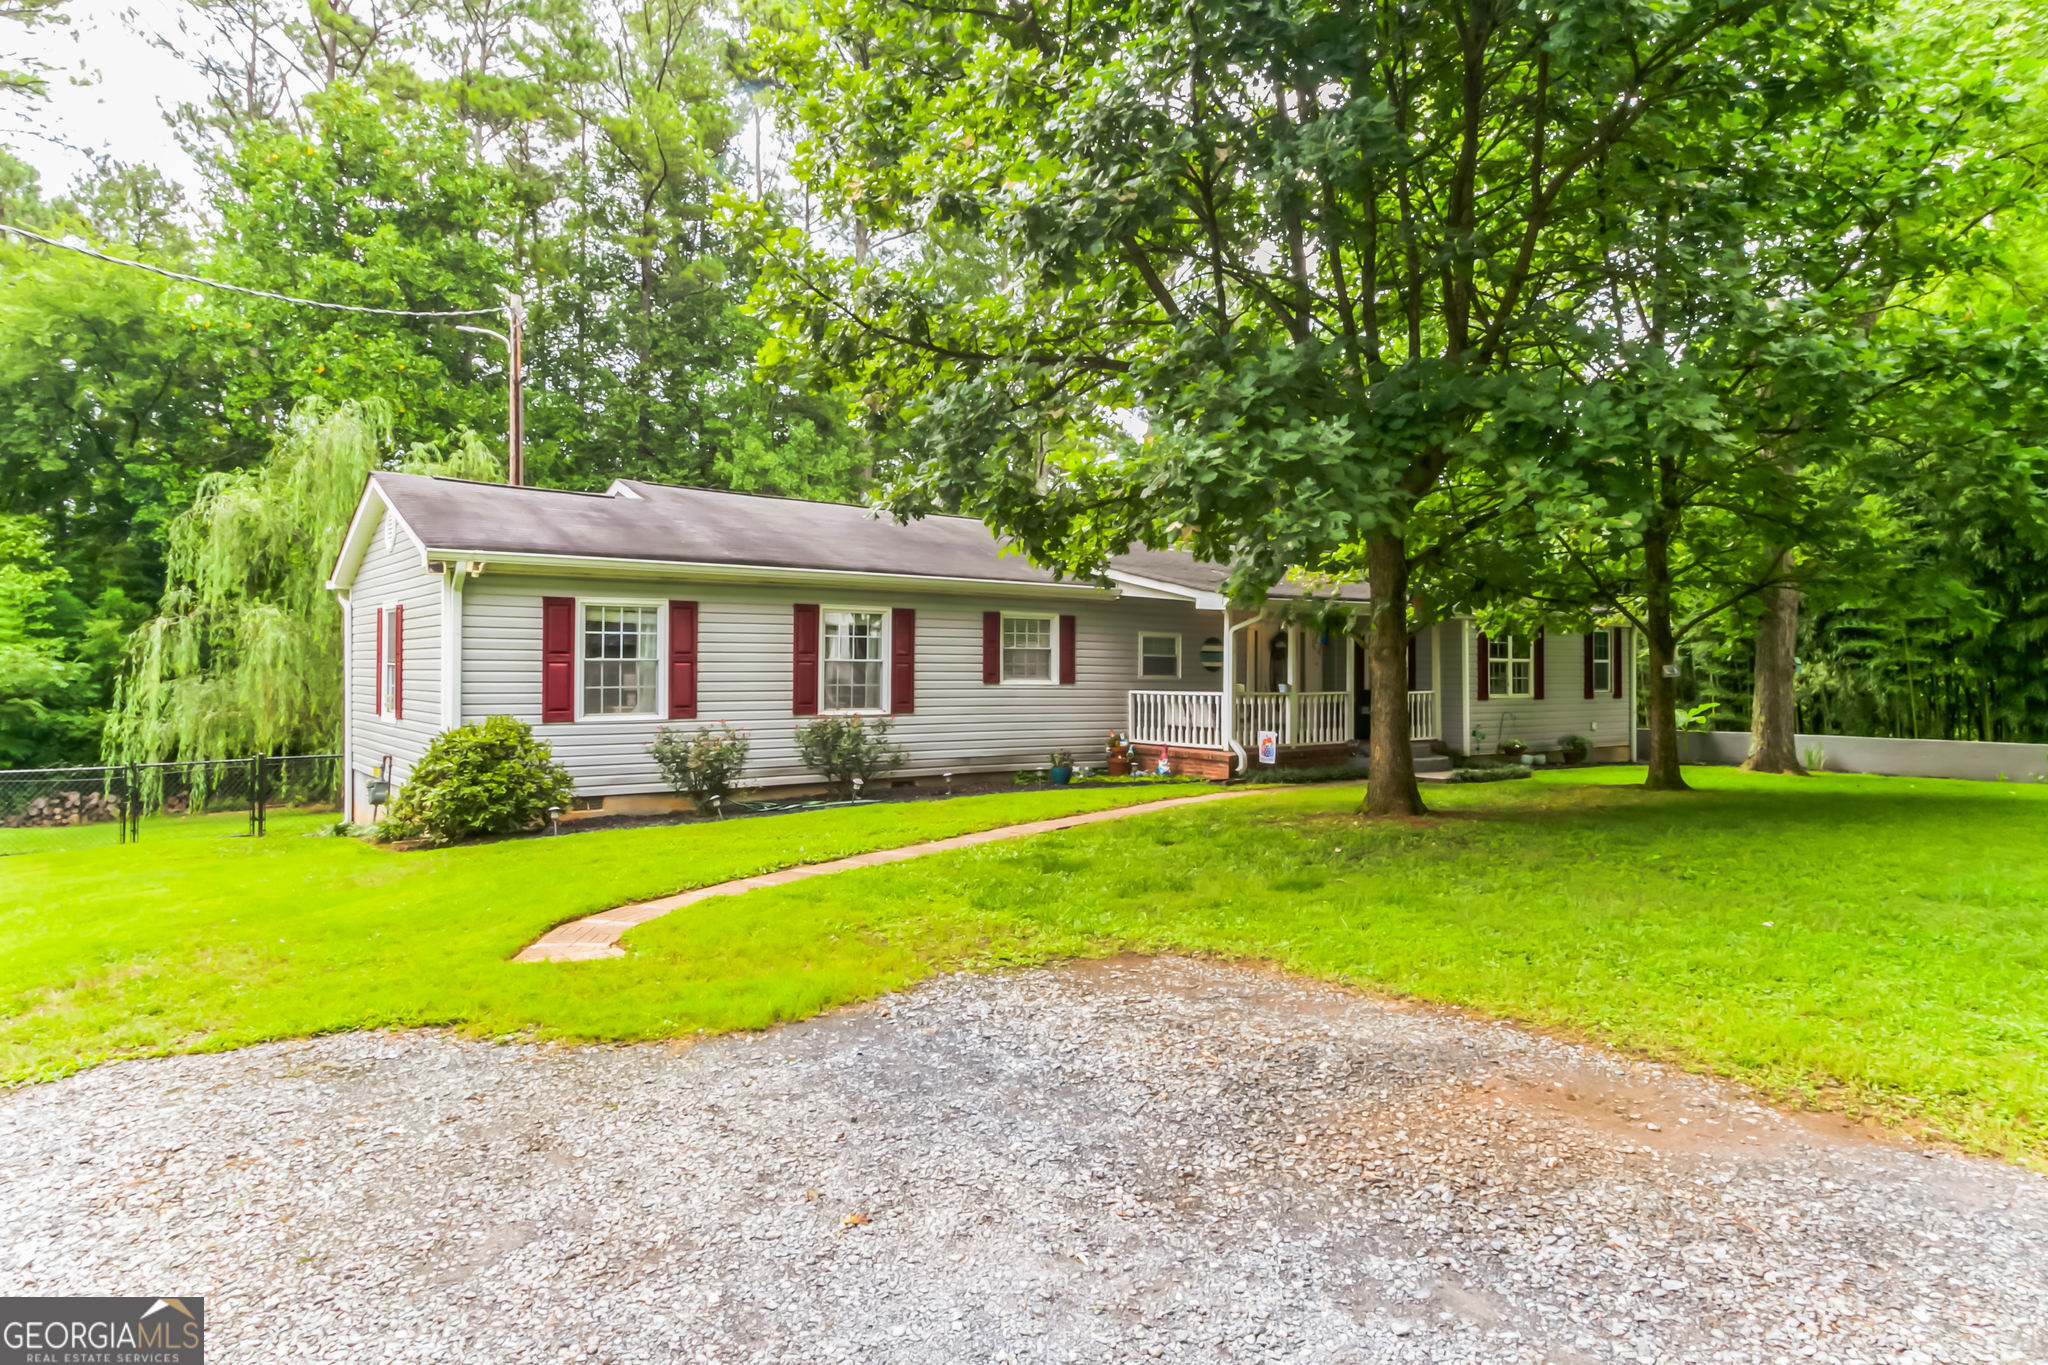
x,y
1871,944
107,834
1874,944
179,944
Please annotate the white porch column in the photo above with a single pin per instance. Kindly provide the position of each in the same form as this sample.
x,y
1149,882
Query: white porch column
x,y
1350,689
1297,645
1229,684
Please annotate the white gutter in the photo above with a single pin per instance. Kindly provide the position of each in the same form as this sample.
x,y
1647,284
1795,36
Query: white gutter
x,y
348,654
756,573
1244,760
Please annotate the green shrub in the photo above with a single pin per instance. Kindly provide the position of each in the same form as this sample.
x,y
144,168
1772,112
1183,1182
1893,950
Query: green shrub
x,y
1334,772
490,778
704,765
1498,773
847,751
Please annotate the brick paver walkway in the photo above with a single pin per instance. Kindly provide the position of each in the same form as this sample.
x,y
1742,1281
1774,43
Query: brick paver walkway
x,y
597,935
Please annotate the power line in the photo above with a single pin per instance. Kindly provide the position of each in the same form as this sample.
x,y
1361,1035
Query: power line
x,y
99,255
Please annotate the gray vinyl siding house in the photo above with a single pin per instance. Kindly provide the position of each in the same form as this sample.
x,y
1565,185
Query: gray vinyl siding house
x,y
600,618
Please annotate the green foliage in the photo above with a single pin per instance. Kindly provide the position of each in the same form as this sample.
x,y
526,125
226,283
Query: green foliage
x,y
106,427
1496,772
23,76
847,751
245,654
36,670
704,764
492,777
382,202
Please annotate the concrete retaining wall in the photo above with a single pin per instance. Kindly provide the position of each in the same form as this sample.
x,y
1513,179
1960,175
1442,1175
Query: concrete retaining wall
x,y
1897,757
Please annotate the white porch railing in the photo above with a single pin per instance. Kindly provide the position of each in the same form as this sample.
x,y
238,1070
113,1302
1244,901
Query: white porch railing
x,y
1422,722
1318,718
1258,711
1192,720
1297,717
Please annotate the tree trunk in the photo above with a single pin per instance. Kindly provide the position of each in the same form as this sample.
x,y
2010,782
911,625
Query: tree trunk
x,y
1774,711
1390,779
1662,699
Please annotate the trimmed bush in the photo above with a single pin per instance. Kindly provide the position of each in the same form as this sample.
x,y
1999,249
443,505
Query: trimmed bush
x,y
1500,773
847,751
489,778
704,765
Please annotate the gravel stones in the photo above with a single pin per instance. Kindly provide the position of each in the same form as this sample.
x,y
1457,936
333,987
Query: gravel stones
x,y
1124,1161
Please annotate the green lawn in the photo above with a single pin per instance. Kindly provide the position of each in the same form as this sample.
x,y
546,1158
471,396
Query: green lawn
x,y
176,944
220,825
1869,943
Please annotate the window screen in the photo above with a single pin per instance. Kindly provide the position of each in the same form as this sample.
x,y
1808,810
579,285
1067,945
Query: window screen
x,y
620,655
853,661
1159,656
1027,649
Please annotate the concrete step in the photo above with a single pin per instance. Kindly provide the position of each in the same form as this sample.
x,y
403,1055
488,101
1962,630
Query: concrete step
x,y
1433,763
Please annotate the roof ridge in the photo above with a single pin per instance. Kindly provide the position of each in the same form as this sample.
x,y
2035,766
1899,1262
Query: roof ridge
x,y
792,497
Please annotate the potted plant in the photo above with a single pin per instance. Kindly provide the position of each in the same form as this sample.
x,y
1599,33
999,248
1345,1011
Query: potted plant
x,y
1119,752
1574,748
1062,767
1511,749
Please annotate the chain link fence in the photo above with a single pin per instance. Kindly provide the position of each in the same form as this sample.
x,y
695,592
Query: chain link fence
x,y
117,798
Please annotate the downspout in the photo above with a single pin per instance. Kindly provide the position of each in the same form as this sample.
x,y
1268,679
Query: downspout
x,y
348,647
1230,692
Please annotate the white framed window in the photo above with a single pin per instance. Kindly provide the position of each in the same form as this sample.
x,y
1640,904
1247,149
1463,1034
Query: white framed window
x,y
1510,666
852,654
1158,655
387,651
1603,662
1027,649
621,658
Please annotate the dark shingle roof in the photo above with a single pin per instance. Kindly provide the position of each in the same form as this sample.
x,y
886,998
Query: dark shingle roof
x,y
650,521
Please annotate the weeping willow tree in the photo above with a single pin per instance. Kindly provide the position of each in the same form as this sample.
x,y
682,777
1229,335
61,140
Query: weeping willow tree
x,y
244,655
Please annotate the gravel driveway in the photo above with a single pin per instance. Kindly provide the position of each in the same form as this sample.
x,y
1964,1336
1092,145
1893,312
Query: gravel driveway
x,y
1129,1160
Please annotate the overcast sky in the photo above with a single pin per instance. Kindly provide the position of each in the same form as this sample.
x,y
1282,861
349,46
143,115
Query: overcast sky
x,y
119,107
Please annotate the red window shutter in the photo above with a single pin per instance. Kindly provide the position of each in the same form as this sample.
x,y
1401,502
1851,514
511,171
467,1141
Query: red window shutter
x,y
1614,661
902,661
991,647
377,678
398,662
682,660
1481,693
1536,667
1069,634
1411,663
1589,667
803,685
557,658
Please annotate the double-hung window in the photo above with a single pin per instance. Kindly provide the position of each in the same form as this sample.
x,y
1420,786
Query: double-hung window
x,y
621,660
1603,662
853,661
1158,656
1027,649
1510,666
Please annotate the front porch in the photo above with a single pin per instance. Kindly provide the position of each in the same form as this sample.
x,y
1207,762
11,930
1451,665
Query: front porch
x,y
1201,737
